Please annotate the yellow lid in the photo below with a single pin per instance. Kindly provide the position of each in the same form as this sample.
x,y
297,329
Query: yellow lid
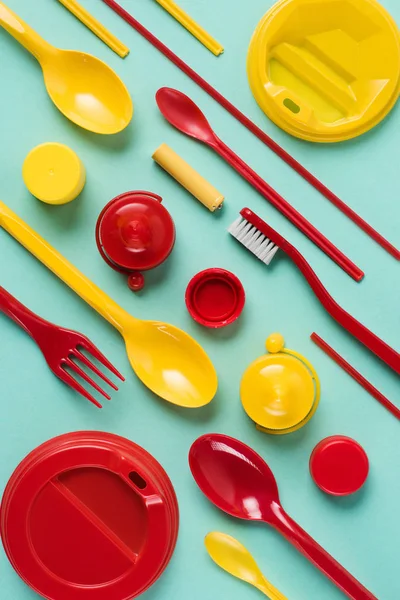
x,y
280,391
53,173
325,71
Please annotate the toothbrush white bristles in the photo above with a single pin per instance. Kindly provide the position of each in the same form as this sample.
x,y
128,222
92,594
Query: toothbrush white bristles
x,y
253,240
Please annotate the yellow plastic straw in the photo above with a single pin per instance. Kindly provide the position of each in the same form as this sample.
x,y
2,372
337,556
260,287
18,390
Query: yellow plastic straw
x,y
94,25
190,24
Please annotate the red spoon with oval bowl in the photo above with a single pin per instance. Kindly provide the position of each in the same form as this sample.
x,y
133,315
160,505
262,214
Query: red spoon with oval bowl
x,y
238,481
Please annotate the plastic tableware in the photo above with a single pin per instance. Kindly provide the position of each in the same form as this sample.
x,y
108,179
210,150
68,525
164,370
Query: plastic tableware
x,y
238,481
54,173
339,360
166,359
254,129
233,557
82,87
215,298
96,27
280,391
190,24
61,348
325,72
183,114
134,233
263,241
89,516
339,466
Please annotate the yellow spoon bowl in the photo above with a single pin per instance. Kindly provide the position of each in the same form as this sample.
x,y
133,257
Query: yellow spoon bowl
x,y
167,360
84,88
229,554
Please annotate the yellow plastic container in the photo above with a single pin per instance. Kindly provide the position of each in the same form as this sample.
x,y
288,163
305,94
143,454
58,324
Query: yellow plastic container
x,y
325,70
280,391
53,173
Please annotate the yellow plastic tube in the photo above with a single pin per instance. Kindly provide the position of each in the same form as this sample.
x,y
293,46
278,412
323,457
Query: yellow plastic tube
x,y
190,179
190,24
94,25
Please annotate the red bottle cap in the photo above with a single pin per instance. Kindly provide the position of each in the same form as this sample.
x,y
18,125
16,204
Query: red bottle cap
x,y
89,516
215,297
339,465
134,232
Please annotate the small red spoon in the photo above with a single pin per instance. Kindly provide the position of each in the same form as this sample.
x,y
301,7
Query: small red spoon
x,y
238,481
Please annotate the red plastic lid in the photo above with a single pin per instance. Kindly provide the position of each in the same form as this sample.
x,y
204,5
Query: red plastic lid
x,y
134,232
215,297
339,465
89,516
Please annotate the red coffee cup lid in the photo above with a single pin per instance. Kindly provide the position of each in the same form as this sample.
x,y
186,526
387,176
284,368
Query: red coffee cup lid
x,y
339,465
215,297
89,516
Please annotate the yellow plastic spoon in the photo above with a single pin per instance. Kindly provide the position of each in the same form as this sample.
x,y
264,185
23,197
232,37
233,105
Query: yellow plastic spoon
x,y
82,87
167,360
233,557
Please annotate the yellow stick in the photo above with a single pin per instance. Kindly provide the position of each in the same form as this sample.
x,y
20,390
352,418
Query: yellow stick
x,y
190,24
94,25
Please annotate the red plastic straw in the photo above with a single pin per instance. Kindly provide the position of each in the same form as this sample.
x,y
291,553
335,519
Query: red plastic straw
x,y
268,141
355,375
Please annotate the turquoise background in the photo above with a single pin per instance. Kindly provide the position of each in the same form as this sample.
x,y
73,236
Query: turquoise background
x,y
363,531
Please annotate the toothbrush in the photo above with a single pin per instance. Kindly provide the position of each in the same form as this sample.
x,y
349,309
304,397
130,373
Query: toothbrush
x,y
263,241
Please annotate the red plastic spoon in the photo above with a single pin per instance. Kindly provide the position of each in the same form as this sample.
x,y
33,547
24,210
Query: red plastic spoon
x,y
183,114
238,481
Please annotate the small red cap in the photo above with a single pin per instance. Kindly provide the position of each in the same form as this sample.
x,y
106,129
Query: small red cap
x,y
215,298
339,465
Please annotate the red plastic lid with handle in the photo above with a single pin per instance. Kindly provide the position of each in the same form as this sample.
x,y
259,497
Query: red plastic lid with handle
x,y
339,465
134,231
89,516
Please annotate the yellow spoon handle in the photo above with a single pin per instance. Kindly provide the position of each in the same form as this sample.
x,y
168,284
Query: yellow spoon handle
x,y
54,261
270,591
96,27
24,34
190,24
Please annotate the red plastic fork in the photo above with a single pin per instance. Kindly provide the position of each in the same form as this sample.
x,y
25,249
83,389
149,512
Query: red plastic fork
x,y
61,347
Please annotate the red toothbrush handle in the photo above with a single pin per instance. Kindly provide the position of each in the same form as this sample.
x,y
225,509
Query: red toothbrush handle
x,y
288,210
347,321
317,555
20,314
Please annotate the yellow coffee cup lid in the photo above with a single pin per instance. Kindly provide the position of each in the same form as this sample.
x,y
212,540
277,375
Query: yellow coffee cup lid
x,y
280,391
325,71
54,173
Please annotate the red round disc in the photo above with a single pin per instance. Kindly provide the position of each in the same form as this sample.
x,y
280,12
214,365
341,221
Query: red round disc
x,y
215,297
89,516
135,231
339,465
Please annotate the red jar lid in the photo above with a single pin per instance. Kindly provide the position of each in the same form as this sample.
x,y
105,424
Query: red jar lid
x,y
89,516
215,297
339,465
134,231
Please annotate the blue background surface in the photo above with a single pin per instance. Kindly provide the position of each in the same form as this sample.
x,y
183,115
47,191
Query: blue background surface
x,y
363,531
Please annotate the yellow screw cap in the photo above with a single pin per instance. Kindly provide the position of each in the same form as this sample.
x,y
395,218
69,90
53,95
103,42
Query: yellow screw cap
x,y
54,173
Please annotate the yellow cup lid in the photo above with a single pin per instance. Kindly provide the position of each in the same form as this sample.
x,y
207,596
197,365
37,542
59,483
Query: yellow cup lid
x,y
280,391
325,71
54,173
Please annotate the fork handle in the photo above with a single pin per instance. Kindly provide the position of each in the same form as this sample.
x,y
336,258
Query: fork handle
x,y
20,314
